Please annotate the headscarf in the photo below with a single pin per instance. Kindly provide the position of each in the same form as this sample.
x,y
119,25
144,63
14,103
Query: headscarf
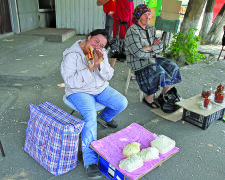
x,y
139,11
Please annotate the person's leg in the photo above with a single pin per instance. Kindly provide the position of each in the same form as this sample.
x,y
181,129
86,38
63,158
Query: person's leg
x,y
85,104
149,98
109,25
165,89
114,102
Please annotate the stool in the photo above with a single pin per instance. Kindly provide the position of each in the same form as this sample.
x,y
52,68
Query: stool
x,y
99,107
128,82
2,150
220,53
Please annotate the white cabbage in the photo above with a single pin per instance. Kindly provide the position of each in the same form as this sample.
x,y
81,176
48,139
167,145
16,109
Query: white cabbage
x,y
163,143
149,154
131,149
131,163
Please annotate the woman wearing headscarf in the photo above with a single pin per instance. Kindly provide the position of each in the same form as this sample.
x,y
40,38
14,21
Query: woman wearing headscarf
x,y
152,71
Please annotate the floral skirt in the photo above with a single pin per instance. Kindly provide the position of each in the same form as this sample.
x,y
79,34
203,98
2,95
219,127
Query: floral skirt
x,y
164,73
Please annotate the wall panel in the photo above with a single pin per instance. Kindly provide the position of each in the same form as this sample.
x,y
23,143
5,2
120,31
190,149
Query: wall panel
x,y
28,14
83,15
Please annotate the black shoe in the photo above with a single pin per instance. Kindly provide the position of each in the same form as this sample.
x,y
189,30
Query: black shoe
x,y
152,105
93,171
112,124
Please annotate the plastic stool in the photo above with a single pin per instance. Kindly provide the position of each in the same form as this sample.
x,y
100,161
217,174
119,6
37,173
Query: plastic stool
x,y
99,107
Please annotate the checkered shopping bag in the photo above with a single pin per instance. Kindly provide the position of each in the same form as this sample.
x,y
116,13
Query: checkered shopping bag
x,y
52,138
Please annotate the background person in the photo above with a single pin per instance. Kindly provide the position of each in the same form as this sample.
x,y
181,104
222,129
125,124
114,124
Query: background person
x,y
86,85
109,7
152,71
123,13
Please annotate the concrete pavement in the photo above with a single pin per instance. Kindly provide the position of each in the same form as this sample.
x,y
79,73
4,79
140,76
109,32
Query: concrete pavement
x,y
32,76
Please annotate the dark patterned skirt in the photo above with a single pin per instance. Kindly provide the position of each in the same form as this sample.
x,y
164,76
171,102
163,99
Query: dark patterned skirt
x,y
151,78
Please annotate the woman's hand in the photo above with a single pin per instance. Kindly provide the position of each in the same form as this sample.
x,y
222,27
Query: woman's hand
x,y
96,63
149,48
111,13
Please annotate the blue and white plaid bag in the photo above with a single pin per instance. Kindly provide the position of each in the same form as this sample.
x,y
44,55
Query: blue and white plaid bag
x,y
52,138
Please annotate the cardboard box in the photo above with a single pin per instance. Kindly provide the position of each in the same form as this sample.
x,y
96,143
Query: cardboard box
x,y
171,6
169,16
153,13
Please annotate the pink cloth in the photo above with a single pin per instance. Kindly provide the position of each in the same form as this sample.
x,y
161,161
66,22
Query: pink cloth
x,y
111,148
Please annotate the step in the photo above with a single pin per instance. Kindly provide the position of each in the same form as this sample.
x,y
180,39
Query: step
x,y
52,34
17,44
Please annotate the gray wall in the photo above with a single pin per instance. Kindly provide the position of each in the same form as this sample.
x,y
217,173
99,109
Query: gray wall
x,y
83,15
28,14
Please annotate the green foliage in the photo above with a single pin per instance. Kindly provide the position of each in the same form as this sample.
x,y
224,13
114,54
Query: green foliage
x,y
185,44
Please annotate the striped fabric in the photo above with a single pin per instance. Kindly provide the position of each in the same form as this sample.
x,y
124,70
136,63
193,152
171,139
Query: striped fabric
x,y
52,138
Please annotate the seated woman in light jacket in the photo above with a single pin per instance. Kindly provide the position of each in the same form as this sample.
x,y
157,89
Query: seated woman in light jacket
x,y
152,71
85,85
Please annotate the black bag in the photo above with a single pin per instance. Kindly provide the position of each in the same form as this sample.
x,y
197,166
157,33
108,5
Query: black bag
x,y
117,48
167,101
117,45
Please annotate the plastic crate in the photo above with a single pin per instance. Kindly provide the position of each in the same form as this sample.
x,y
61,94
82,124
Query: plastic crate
x,y
109,170
202,121
166,25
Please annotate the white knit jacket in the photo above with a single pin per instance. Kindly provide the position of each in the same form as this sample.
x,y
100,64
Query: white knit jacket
x,y
76,75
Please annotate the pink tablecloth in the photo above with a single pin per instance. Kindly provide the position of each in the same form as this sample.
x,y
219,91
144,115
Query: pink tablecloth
x,y
111,148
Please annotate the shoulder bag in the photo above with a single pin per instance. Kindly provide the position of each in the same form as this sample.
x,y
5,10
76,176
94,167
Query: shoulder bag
x,y
117,45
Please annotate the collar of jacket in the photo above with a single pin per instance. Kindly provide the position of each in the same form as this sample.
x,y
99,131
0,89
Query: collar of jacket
x,y
147,26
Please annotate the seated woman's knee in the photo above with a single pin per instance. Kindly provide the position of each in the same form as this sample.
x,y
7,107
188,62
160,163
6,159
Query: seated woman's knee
x,y
123,103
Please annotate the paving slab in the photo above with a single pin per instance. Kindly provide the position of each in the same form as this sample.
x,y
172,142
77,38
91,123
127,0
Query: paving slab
x,y
52,34
7,96
16,44
35,63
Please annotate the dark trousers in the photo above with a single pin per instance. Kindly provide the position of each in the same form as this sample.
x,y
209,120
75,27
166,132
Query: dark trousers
x,y
109,26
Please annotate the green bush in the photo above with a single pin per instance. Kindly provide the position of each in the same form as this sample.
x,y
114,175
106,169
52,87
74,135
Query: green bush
x,y
185,44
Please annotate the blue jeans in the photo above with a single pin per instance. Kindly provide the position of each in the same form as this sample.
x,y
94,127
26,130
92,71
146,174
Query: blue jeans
x,y
85,104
